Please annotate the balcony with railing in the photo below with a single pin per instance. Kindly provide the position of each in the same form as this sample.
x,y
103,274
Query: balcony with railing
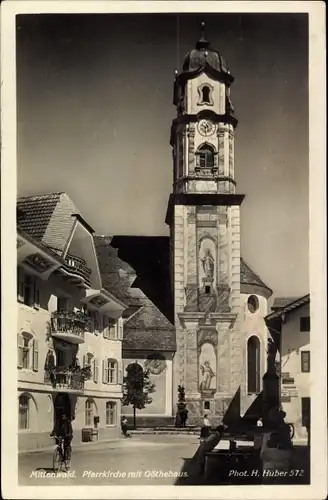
x,y
69,326
77,266
65,378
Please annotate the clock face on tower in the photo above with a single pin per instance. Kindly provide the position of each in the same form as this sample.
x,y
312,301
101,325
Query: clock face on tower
x,y
206,128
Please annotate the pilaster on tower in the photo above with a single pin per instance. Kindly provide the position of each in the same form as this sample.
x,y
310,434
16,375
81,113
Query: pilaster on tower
x,y
204,219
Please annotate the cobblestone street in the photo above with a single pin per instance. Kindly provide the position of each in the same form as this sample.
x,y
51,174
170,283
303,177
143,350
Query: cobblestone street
x,y
133,459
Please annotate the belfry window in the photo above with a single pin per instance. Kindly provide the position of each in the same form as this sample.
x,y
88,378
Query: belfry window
x,y
253,365
206,95
206,156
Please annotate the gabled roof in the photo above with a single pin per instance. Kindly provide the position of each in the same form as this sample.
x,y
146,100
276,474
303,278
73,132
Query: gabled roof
x,y
48,218
35,212
291,306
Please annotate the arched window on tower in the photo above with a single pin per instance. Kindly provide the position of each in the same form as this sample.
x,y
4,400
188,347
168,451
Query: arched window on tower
x,y
206,95
206,156
253,365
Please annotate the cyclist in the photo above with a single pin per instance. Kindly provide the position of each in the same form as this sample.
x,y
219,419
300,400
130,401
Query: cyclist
x,y
63,431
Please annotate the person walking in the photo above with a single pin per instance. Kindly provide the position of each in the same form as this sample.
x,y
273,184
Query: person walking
x,y
205,429
124,427
207,445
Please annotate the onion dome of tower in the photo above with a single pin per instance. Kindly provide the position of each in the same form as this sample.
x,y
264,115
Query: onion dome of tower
x,y
203,55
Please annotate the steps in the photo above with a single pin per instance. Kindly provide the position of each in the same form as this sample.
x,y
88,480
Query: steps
x,y
168,430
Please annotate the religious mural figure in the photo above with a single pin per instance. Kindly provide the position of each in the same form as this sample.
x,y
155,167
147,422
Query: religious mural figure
x,y
207,375
208,264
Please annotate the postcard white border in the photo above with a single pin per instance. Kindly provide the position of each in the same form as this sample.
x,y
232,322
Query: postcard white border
x,y
317,108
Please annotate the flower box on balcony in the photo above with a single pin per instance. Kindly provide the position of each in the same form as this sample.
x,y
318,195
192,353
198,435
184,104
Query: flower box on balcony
x,y
69,326
66,378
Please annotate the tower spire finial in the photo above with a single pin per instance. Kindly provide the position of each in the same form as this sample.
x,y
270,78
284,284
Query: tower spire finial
x,y
202,42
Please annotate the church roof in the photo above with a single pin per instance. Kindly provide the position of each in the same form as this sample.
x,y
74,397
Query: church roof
x,y
248,279
147,325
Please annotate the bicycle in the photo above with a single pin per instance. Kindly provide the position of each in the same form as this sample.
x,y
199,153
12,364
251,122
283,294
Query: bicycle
x,y
59,459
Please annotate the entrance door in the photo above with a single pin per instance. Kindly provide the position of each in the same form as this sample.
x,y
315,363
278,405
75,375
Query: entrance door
x,y
62,405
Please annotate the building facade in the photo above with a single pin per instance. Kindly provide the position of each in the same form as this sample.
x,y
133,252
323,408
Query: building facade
x,y
220,329
291,322
70,328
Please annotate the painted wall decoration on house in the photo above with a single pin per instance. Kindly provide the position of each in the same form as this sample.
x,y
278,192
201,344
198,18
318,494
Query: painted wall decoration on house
x,y
207,368
155,364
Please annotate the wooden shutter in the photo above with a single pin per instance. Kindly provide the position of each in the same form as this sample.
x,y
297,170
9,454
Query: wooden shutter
x,y
104,371
35,355
36,294
105,327
120,373
120,328
20,343
95,370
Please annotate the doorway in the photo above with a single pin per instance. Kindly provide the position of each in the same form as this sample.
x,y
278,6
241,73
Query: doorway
x,y
62,405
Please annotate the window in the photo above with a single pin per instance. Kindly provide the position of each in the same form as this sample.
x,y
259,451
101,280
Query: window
x,y
95,321
24,412
253,365
206,405
205,95
253,304
89,412
24,288
28,352
110,413
206,156
36,298
112,330
110,371
207,289
62,304
90,360
305,361
305,324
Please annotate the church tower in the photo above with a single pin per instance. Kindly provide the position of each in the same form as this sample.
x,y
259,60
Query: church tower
x,y
204,218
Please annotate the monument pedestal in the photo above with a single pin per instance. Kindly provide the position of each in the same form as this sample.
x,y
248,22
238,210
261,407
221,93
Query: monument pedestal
x,y
270,402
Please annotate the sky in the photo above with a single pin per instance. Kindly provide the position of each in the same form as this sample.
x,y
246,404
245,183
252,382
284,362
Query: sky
x,y
94,111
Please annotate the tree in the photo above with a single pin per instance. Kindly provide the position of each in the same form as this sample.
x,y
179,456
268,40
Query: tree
x,y
137,388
